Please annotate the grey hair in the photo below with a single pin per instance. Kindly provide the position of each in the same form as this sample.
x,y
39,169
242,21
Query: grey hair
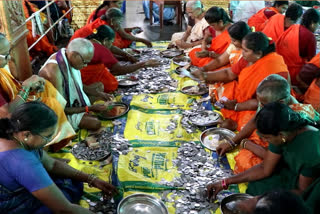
x,y
80,45
274,87
194,4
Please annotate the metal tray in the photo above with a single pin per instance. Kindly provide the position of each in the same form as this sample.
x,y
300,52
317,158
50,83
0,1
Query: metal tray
x,y
205,118
227,205
223,134
181,60
141,204
128,82
170,53
186,89
112,113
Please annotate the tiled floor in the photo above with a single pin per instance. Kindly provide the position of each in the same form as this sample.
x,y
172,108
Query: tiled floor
x,y
135,17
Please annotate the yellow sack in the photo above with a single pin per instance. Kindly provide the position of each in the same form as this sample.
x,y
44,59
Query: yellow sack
x,y
148,125
143,168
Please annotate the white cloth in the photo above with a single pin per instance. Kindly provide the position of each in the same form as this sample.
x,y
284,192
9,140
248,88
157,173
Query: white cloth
x,y
246,9
74,76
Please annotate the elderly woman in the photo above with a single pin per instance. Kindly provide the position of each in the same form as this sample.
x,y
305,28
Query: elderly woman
x,y
239,93
220,21
104,65
194,34
31,181
112,18
13,93
273,88
286,131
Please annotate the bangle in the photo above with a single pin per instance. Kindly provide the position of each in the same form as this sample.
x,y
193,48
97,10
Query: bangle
x,y
243,143
91,178
87,109
23,94
236,107
224,184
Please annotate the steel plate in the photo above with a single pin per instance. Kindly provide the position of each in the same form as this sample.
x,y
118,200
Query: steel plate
x,y
170,53
128,82
141,204
181,60
228,204
216,134
188,90
118,109
205,118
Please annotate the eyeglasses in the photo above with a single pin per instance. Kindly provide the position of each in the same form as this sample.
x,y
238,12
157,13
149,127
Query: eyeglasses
x,y
83,61
6,57
46,139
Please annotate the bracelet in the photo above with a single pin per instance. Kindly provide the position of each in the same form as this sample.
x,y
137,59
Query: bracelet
x,y
91,178
236,107
23,94
243,143
87,109
204,75
224,184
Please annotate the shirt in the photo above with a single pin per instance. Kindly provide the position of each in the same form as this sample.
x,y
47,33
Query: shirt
x,y
307,43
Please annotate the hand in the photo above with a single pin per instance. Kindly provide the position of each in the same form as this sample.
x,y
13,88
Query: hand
x,y
214,189
152,63
229,104
202,54
198,74
107,188
34,83
136,30
131,58
223,148
105,96
147,43
98,108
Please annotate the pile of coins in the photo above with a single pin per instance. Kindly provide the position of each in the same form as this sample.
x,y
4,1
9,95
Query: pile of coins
x,y
197,169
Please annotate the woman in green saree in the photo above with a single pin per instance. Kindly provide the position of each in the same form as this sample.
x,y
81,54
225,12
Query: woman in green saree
x,y
293,158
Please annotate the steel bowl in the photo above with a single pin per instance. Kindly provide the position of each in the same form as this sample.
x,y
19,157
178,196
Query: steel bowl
x,y
228,204
205,118
187,90
223,134
141,204
114,111
170,53
181,60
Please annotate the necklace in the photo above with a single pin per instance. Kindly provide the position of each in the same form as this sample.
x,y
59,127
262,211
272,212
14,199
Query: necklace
x,y
20,142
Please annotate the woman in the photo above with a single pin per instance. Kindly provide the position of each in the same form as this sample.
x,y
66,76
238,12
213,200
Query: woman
x,y
194,34
279,23
259,20
31,181
286,133
15,93
112,18
232,55
220,21
102,9
103,61
298,44
239,93
309,82
273,88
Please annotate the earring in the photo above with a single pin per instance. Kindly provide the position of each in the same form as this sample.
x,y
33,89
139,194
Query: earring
x,y
26,139
283,140
258,57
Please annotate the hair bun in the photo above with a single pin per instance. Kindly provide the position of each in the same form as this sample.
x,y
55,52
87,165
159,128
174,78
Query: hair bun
x,y
6,128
